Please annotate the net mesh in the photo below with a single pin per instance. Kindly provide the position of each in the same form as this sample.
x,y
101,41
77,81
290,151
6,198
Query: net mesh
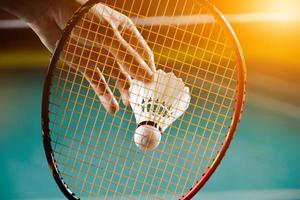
x,y
94,150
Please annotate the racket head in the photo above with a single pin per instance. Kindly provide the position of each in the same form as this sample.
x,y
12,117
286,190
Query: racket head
x,y
236,100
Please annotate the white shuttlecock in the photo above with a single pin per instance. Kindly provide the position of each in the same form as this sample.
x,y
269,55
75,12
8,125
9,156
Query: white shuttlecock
x,y
156,105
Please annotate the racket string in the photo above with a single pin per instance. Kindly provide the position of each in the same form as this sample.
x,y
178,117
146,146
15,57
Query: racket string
x,y
209,125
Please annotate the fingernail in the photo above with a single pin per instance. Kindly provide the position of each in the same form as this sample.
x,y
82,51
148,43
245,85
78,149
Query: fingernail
x,y
125,97
145,74
152,63
110,103
149,76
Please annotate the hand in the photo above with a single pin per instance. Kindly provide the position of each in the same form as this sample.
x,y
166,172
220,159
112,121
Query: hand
x,y
118,43
115,48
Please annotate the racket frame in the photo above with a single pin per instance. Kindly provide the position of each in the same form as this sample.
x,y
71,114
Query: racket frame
x,y
240,100
45,101
241,91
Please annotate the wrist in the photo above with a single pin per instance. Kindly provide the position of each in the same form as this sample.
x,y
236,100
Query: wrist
x,y
48,25
62,11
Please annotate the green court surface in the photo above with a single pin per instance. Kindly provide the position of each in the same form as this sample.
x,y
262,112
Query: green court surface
x,y
262,163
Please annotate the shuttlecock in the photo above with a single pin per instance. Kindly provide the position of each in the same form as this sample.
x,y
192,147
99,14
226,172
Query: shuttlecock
x,y
156,105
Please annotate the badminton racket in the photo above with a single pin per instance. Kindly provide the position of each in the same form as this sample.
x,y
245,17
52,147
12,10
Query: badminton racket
x,y
88,118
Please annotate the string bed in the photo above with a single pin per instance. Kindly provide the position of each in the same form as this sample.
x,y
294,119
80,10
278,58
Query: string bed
x,y
95,151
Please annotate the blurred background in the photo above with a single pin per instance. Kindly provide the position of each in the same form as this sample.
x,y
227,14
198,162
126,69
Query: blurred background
x,y
264,159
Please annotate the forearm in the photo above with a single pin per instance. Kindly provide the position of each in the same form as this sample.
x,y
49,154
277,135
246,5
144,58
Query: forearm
x,y
46,17
30,10
27,10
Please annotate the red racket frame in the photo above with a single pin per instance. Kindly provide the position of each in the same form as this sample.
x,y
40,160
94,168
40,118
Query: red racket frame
x,y
241,91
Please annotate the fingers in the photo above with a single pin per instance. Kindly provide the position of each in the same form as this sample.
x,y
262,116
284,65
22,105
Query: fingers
x,y
88,59
134,38
86,29
85,60
113,70
128,57
132,53
101,88
103,45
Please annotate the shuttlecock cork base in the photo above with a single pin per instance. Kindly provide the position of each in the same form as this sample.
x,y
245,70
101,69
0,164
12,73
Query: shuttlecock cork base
x,y
147,135
156,106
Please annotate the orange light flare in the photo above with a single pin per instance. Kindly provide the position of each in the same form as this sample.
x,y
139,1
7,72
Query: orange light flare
x,y
269,32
